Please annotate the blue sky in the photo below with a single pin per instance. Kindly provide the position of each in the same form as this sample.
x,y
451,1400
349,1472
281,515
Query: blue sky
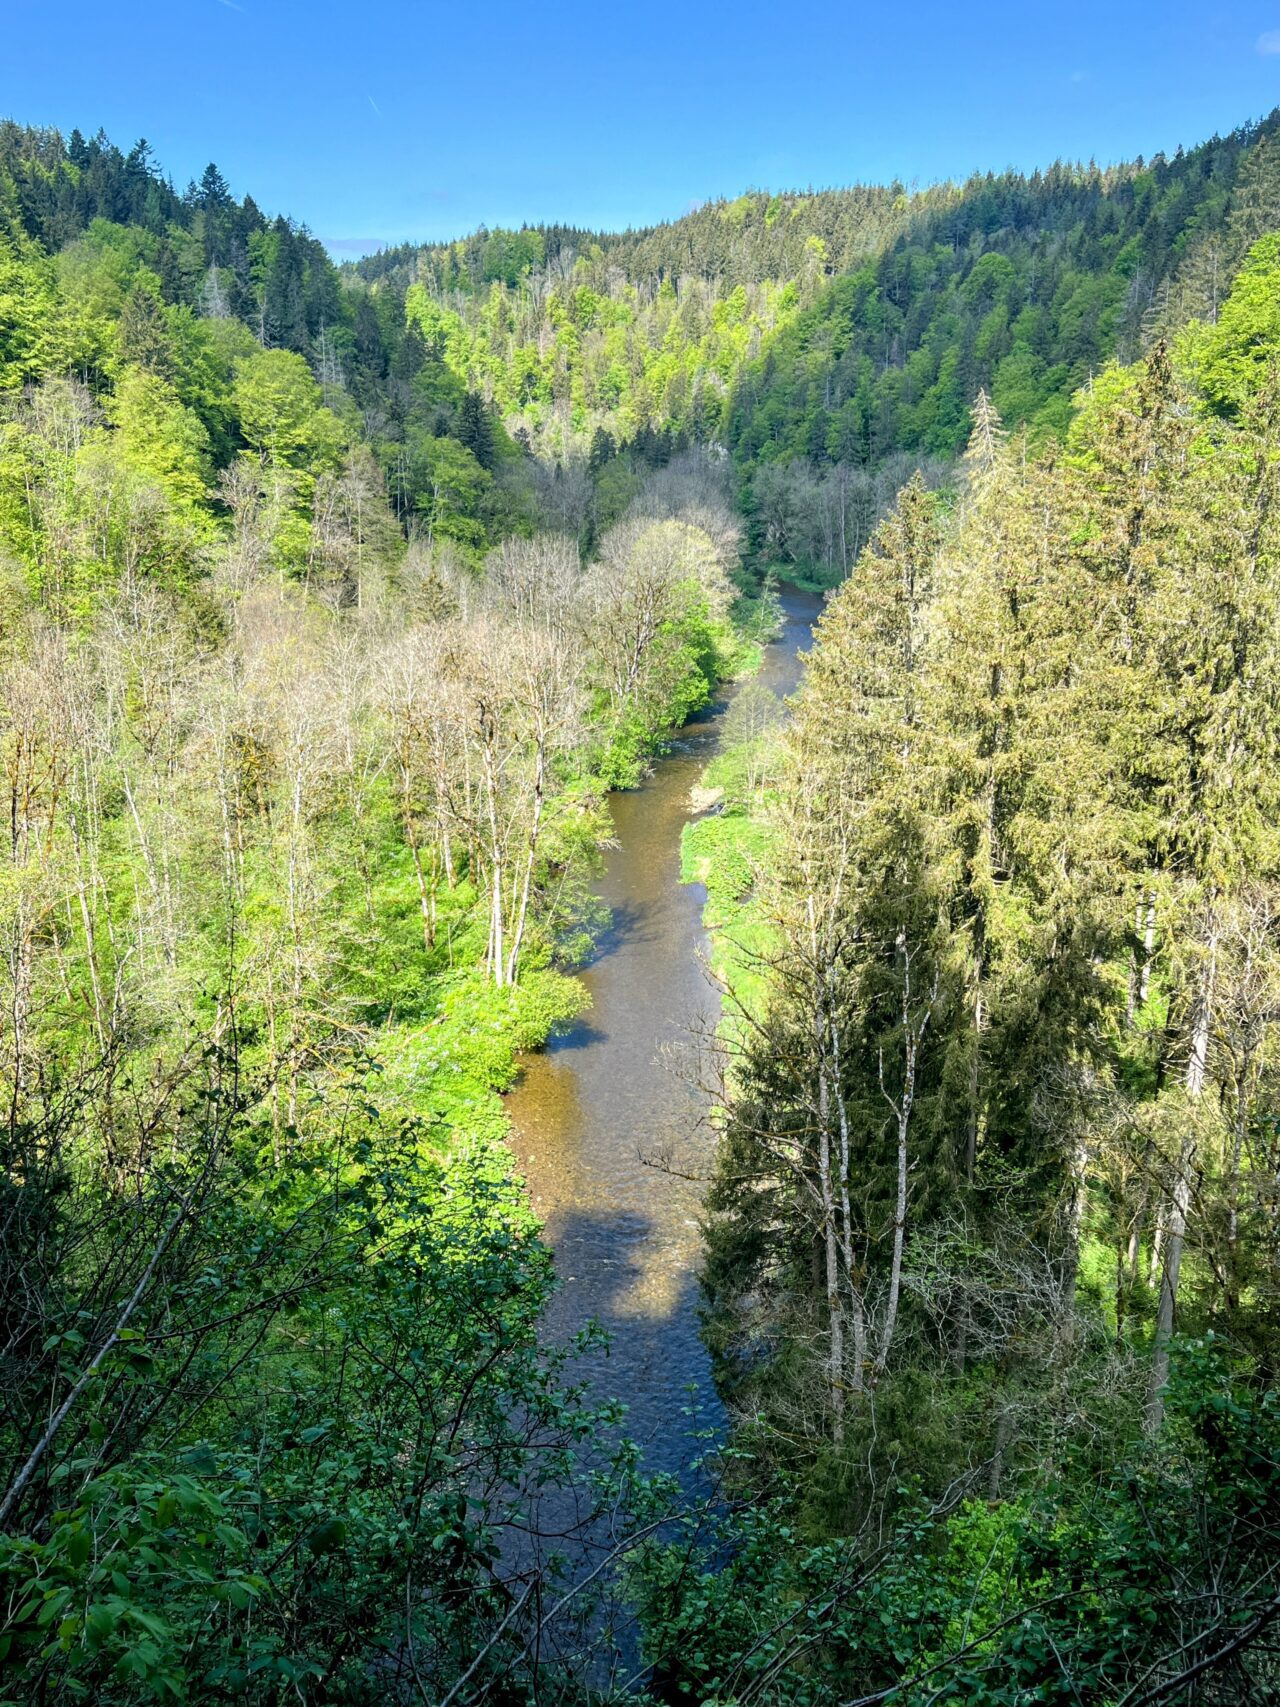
x,y
388,120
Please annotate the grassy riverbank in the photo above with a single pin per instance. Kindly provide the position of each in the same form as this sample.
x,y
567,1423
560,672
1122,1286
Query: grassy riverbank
x,y
726,850
730,846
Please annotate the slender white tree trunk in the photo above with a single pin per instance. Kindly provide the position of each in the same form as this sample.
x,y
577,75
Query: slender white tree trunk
x,y
1180,1200
535,829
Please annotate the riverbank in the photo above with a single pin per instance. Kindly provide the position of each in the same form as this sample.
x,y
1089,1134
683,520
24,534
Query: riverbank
x,y
452,1043
725,849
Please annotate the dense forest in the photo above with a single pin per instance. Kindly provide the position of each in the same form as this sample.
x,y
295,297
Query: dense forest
x,y
333,603
833,340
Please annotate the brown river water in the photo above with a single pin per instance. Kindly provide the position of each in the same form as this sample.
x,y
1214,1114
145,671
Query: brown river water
x,y
591,1111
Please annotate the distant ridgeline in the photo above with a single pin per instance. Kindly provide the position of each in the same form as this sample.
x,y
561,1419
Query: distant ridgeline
x,y
841,335
521,379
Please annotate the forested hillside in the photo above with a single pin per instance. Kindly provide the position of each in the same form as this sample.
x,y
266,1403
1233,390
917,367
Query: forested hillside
x,y
245,333
333,603
303,798
824,337
994,1237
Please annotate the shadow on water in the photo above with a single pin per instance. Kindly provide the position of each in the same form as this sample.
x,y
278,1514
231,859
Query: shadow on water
x,y
626,924
603,1097
582,1035
646,1346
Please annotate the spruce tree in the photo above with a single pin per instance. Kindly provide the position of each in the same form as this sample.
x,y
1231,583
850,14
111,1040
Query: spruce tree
x,y
1255,200
475,430
144,334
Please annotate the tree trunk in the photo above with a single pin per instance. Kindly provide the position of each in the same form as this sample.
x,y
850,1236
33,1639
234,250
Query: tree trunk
x,y
857,1377
835,1310
535,827
1175,1236
826,1189
1180,1201
426,897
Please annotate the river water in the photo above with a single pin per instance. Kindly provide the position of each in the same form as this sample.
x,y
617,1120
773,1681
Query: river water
x,y
592,1111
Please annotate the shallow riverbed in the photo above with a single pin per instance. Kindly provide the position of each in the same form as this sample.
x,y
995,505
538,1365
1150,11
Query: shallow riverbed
x,y
592,1111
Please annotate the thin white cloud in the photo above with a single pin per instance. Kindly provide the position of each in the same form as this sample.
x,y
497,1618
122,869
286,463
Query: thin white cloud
x,y
231,6
377,109
1269,42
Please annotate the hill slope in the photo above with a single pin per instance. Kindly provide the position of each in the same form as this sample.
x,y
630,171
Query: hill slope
x,y
839,329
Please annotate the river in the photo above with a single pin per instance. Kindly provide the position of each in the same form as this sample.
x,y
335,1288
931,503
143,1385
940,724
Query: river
x,y
592,1109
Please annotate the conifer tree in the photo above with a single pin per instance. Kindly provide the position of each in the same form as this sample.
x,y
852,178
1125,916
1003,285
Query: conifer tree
x,y
840,1068
475,430
143,334
1255,200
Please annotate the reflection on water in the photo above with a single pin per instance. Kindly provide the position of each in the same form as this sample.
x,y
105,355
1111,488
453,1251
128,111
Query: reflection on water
x,y
591,1112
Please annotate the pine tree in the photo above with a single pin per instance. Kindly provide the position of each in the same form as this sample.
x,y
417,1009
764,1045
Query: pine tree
x,y
144,334
475,430
1255,201
213,301
410,355
1028,847
602,450
370,354
328,368
213,194
986,440
857,970
283,319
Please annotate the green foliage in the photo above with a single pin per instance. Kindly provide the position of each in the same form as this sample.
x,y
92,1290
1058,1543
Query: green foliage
x,y
34,334
446,487
302,819
726,853
1022,287
389,1302
1099,1583
275,772
278,406
1234,360
449,1070
1003,872
164,440
103,270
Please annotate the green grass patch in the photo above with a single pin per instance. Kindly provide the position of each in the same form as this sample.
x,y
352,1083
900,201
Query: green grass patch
x,y
449,1070
725,852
